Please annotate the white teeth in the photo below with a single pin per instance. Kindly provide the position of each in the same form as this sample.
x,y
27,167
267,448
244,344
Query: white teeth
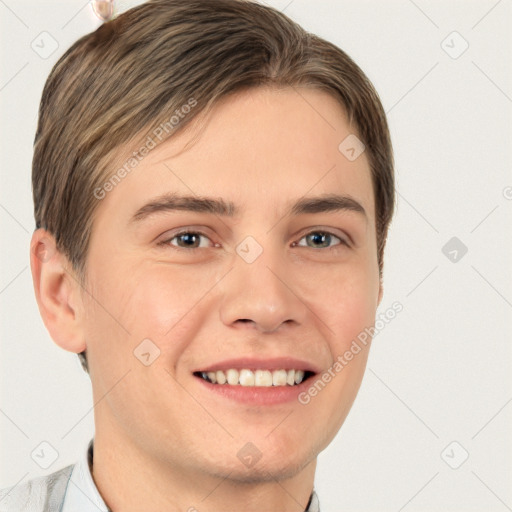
x,y
232,377
263,378
279,378
246,378
260,378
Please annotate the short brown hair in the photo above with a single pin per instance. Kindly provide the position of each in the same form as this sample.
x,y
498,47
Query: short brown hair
x,y
118,84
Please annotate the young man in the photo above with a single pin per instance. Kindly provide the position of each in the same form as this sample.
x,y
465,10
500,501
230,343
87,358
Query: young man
x,y
213,188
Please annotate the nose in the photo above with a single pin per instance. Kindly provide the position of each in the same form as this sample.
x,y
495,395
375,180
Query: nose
x,y
261,295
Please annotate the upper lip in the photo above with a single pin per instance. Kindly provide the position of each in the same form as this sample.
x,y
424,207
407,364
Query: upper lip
x,y
251,363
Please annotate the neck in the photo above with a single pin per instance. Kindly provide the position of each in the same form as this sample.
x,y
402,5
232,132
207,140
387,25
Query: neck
x,y
129,479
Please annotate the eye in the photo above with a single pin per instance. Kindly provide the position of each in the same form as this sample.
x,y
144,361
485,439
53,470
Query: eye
x,y
321,240
197,240
187,240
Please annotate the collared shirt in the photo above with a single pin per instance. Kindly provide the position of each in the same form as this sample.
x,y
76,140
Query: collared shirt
x,y
82,493
71,489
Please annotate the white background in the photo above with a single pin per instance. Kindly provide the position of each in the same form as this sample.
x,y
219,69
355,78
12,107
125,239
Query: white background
x,y
439,372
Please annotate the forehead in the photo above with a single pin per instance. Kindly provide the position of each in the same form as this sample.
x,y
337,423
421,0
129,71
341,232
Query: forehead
x,y
260,149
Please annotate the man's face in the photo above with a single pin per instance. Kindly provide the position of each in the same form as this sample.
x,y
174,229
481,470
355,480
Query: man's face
x,y
264,289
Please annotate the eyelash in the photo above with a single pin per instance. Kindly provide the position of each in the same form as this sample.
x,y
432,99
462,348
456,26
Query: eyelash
x,y
167,242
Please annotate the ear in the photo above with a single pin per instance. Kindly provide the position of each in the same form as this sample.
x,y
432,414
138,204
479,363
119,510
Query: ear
x,y
57,292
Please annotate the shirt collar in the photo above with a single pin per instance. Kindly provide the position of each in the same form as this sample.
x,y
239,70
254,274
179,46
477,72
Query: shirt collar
x,y
82,495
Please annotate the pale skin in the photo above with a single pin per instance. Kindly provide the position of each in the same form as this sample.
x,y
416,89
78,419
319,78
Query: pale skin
x,y
163,440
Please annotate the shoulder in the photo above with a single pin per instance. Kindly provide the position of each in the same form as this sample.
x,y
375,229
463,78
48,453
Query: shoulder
x,y
43,494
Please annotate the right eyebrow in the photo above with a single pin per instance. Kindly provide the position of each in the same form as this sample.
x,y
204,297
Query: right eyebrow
x,y
172,202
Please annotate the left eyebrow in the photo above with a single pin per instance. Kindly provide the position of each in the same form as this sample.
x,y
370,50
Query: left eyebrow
x,y
306,205
327,203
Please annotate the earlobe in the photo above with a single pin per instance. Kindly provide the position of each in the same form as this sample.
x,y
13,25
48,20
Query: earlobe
x,y
57,292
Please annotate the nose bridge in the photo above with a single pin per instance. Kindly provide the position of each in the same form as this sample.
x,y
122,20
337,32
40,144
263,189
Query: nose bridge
x,y
260,288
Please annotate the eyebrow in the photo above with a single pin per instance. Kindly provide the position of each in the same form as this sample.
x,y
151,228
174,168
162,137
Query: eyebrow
x,y
218,206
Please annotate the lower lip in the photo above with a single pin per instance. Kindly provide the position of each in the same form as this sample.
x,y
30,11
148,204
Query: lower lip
x,y
257,395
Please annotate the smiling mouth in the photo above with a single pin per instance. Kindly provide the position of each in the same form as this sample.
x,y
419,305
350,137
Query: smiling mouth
x,y
256,378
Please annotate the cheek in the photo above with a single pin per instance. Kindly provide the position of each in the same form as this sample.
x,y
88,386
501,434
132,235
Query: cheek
x,y
354,309
350,306
156,301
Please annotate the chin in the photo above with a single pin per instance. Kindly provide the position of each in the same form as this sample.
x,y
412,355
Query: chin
x,y
267,465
